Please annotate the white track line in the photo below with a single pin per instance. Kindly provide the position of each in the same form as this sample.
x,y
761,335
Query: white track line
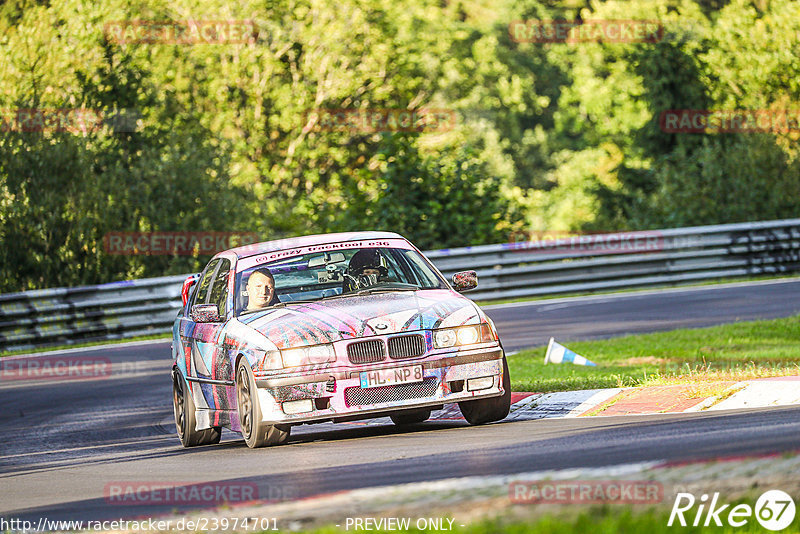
x,y
630,294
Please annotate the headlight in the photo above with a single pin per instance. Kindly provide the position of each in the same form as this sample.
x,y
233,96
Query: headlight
x,y
308,355
450,337
468,336
443,339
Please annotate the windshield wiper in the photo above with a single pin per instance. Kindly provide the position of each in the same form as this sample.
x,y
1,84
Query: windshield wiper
x,y
301,301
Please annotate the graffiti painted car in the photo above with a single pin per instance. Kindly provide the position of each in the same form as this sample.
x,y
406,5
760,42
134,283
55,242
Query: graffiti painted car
x,y
332,327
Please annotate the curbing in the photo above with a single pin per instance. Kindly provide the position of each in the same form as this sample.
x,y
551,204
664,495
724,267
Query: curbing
x,y
681,398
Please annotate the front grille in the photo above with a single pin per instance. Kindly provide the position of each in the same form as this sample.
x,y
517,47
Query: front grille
x,y
366,351
406,346
357,396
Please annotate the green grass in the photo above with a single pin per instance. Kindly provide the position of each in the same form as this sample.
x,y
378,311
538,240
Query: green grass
x,y
596,520
165,337
727,352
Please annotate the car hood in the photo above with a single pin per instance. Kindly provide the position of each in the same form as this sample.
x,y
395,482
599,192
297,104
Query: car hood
x,y
332,320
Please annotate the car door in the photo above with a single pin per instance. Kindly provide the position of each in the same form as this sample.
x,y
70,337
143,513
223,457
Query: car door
x,y
187,324
208,369
221,377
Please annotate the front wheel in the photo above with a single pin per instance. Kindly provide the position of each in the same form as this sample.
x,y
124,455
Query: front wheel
x,y
480,411
254,431
185,422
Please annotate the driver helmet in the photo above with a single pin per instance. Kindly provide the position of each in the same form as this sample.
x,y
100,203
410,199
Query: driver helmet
x,y
366,258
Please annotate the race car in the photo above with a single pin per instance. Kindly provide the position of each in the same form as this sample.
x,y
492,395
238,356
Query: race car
x,y
333,327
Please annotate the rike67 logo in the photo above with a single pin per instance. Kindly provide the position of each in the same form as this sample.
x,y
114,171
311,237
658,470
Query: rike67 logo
x,y
774,510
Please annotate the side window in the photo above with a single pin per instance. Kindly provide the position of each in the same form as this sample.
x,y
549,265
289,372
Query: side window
x,y
201,293
219,290
395,273
409,274
422,272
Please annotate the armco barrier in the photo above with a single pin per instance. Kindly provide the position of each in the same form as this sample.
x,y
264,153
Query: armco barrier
x,y
70,315
510,270
680,255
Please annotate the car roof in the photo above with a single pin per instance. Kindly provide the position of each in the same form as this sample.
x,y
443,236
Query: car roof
x,y
308,240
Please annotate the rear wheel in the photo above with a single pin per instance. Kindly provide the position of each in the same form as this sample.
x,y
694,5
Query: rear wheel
x,y
185,421
254,431
478,412
411,417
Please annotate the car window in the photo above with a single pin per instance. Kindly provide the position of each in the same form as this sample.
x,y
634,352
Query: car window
x,y
320,275
201,294
219,289
418,267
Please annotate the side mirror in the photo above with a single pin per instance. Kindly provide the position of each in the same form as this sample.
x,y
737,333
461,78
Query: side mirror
x,y
188,284
465,280
205,313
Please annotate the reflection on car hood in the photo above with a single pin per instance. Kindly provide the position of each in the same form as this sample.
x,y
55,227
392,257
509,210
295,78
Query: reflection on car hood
x,y
332,320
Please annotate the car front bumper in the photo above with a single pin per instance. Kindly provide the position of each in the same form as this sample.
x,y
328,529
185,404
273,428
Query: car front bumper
x,y
338,394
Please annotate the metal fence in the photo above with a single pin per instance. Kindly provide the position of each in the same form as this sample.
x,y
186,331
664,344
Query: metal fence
x,y
131,308
626,260
510,270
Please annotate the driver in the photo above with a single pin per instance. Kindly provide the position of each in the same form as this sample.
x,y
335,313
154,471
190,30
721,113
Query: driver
x,y
366,262
261,290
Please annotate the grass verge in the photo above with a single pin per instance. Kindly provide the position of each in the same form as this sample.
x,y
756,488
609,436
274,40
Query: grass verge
x,y
737,351
596,519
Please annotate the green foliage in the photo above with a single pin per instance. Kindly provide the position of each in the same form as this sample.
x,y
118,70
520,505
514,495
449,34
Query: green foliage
x,y
737,59
561,136
62,191
740,179
447,201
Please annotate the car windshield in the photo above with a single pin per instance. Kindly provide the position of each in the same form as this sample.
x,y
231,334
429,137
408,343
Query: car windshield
x,y
321,275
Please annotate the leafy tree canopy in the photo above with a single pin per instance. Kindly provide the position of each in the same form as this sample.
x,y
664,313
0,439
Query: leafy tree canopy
x,y
227,137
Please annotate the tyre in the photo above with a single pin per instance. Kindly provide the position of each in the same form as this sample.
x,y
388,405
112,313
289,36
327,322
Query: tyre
x,y
478,412
411,417
254,431
185,422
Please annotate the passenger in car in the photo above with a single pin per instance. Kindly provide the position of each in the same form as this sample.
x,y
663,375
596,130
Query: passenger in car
x,y
261,290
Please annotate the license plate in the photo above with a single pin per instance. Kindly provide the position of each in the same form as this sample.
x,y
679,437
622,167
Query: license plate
x,y
388,377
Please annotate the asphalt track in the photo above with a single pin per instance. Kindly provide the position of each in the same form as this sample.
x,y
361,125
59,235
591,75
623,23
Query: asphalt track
x,y
66,442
